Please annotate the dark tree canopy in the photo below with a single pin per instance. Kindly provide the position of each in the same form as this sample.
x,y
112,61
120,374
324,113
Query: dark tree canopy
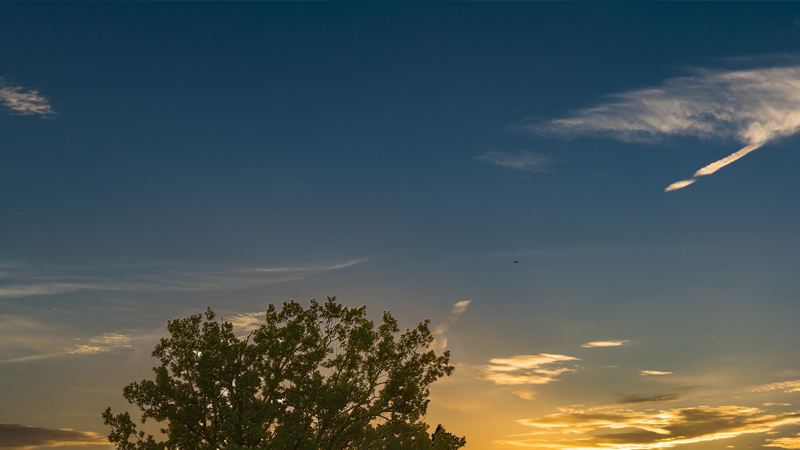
x,y
316,378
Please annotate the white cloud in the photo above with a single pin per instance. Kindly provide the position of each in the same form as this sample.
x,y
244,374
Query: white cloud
x,y
108,342
752,107
24,102
653,372
439,341
604,344
524,161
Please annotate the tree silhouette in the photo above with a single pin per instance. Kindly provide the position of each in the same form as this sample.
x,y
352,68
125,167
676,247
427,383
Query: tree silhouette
x,y
316,378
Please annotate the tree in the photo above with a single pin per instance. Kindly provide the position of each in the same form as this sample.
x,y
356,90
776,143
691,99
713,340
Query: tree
x,y
320,378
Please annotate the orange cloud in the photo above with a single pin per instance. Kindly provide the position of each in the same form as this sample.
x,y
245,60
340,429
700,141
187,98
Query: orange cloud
x,y
652,430
787,442
525,394
785,386
524,369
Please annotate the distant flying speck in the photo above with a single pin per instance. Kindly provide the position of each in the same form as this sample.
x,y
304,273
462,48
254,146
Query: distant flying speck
x,y
516,262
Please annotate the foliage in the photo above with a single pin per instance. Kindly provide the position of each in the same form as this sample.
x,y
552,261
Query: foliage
x,y
318,378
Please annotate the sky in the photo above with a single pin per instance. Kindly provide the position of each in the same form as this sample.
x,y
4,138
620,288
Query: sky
x,y
595,204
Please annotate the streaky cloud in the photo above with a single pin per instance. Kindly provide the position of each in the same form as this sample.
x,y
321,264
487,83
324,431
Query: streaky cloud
x,y
752,106
108,342
650,429
310,269
635,399
26,339
785,386
18,280
21,437
785,442
523,161
46,288
604,344
24,102
653,372
33,358
527,361
524,369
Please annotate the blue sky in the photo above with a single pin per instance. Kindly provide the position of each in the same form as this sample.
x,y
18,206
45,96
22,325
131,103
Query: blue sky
x,y
157,158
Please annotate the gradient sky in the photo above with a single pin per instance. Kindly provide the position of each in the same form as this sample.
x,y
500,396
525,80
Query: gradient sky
x,y
636,159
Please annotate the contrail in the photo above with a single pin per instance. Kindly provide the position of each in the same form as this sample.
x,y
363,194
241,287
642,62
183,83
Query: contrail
x,y
713,167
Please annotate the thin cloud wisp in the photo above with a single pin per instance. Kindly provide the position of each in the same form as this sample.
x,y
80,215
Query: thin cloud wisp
x,y
439,341
604,344
524,161
752,107
524,369
24,102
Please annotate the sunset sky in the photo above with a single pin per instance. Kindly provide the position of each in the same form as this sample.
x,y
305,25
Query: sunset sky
x,y
596,204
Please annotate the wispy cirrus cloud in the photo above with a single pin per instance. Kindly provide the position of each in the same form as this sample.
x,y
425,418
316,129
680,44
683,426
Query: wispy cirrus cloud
x,y
24,102
245,323
439,341
20,437
636,399
525,161
19,280
785,386
752,107
649,429
524,369
604,344
24,340
27,339
310,269
653,372
108,342
525,394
